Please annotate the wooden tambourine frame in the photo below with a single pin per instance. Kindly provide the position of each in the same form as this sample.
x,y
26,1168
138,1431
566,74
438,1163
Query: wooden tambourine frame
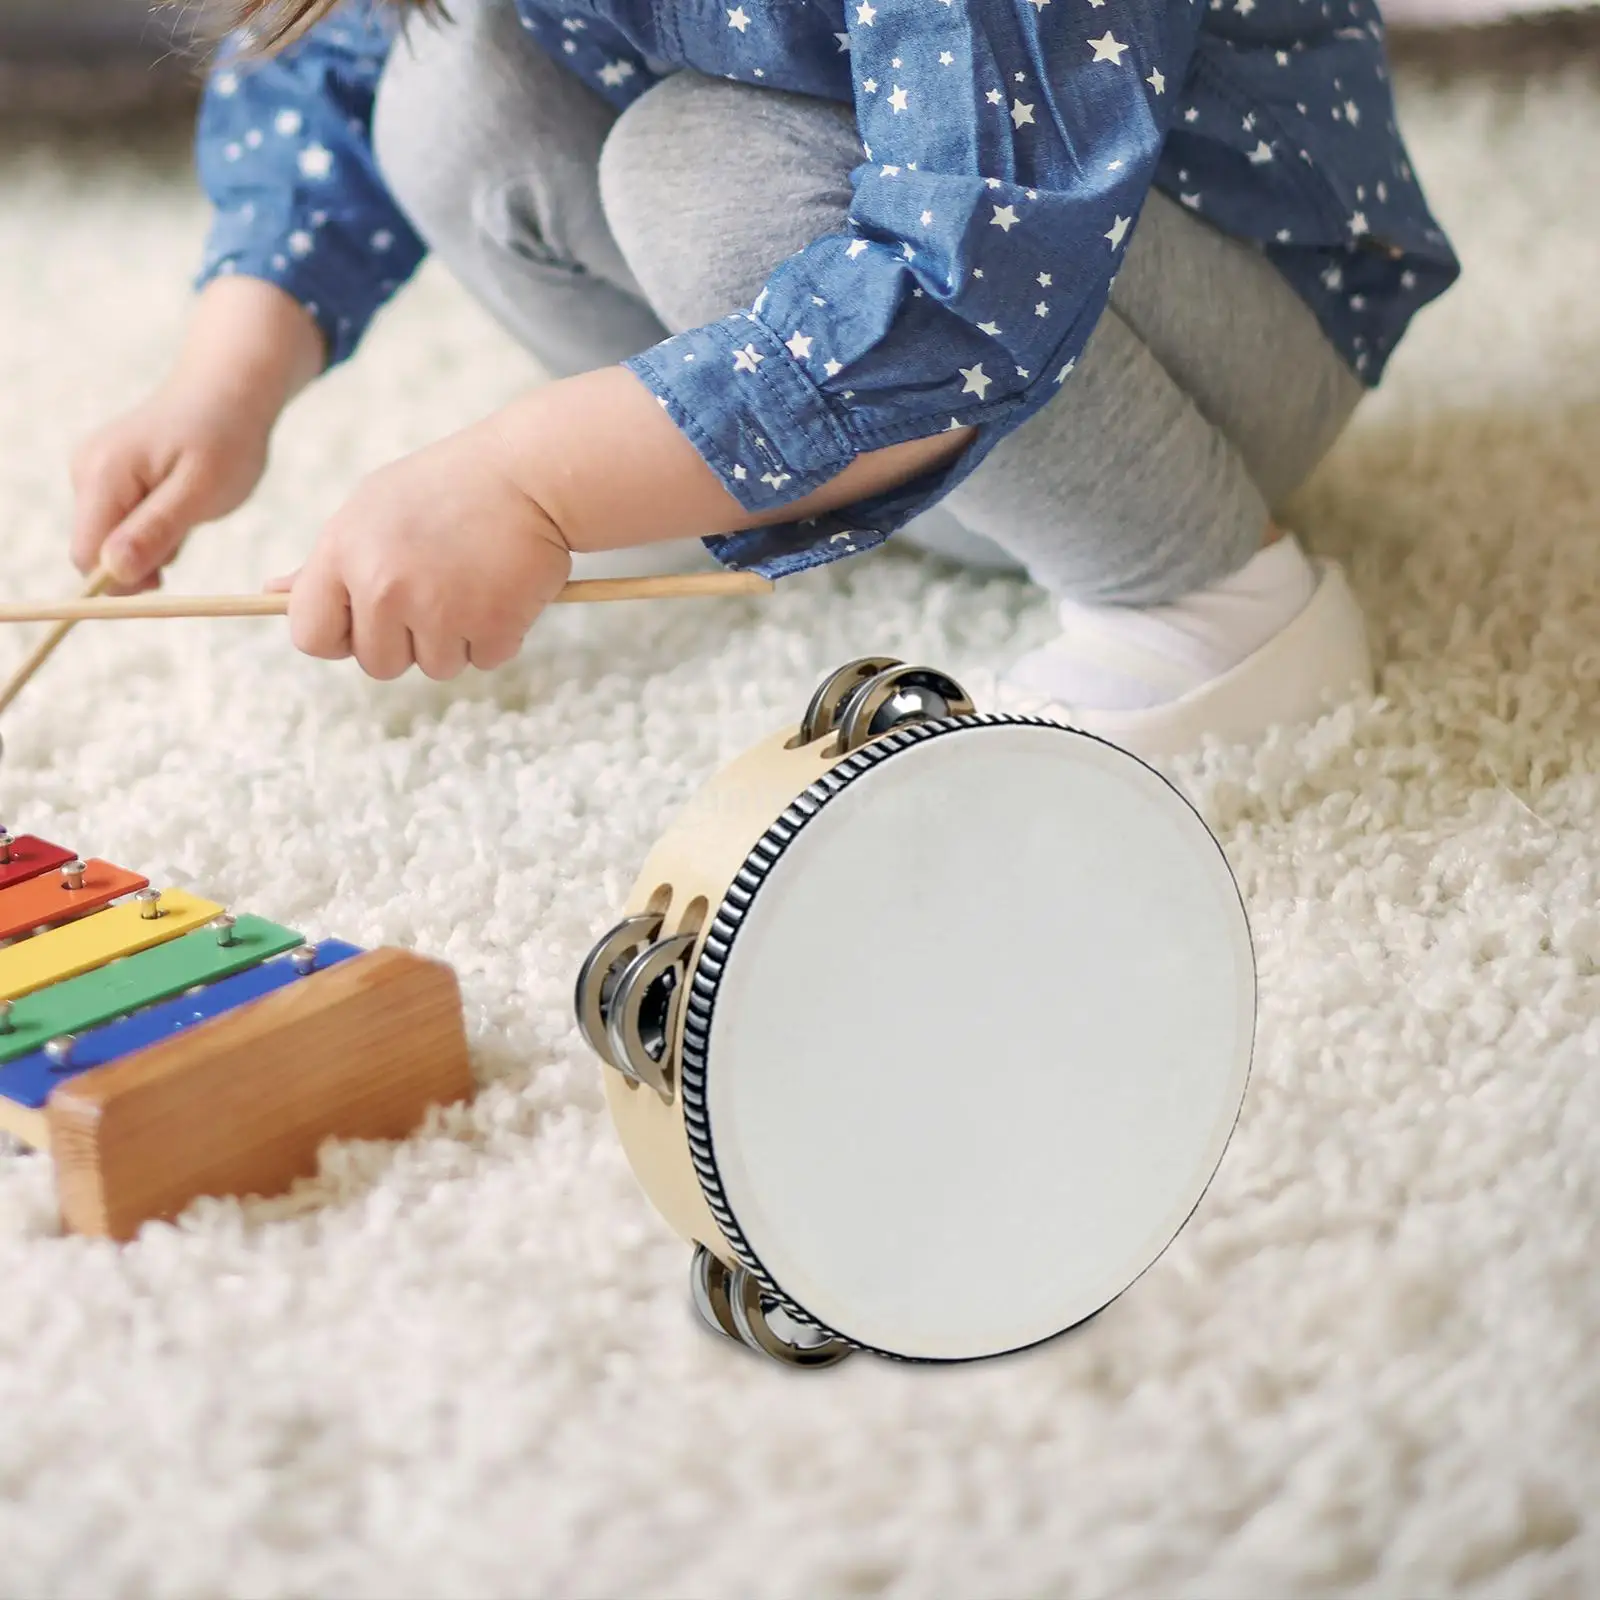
x,y
647,1003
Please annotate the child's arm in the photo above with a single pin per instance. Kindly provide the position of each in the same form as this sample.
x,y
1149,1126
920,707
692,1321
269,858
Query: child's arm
x,y
443,560
305,245
599,457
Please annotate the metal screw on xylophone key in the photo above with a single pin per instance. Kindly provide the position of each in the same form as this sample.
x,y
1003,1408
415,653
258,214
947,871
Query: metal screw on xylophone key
x,y
304,959
149,904
59,1052
225,925
5,847
6,1024
72,875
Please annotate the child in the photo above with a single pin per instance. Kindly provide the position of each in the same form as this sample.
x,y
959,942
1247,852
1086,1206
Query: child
x,y
1081,288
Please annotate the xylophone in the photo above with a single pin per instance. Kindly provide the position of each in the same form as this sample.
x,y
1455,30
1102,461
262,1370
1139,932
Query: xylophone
x,y
926,1028
161,1048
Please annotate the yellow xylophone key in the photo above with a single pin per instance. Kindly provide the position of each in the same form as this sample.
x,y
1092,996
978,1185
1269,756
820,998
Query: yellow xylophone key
x,y
106,936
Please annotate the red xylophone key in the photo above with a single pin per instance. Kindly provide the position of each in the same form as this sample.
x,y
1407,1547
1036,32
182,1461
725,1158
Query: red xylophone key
x,y
26,857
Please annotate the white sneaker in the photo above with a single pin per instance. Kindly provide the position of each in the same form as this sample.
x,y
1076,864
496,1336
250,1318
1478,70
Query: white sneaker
x,y
1320,657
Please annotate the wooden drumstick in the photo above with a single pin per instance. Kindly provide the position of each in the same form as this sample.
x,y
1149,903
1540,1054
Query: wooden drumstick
x,y
99,580
681,586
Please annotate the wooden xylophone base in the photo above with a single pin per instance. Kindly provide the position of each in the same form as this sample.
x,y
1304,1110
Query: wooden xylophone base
x,y
160,1050
242,1104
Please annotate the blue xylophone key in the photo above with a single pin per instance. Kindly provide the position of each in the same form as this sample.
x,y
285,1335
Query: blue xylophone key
x,y
29,1079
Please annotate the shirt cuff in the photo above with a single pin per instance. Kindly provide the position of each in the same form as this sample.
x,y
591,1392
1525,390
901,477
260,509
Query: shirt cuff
x,y
758,421
783,548
738,394
336,288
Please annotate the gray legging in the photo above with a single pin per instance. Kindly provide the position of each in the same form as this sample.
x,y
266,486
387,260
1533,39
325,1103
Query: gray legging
x,y
1206,395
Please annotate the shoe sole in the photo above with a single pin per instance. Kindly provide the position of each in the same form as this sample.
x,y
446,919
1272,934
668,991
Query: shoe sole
x,y
1321,657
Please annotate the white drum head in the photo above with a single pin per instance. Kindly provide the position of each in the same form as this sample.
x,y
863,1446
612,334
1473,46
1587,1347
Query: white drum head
x,y
967,1043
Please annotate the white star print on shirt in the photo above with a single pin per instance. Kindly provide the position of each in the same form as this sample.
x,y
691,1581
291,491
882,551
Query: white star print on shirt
x,y
1106,48
1119,231
1021,113
897,99
1005,218
799,345
739,18
315,161
748,359
865,12
976,382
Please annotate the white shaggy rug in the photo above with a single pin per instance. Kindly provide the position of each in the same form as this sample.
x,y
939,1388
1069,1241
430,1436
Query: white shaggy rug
x,y
466,1367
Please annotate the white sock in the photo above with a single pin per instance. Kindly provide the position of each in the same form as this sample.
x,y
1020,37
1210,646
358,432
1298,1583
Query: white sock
x,y
1126,658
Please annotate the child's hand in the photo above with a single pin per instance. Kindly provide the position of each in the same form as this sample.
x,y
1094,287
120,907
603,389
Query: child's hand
x,y
439,560
195,450
146,481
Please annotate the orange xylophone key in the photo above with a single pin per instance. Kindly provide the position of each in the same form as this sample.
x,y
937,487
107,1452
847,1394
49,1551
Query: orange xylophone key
x,y
48,898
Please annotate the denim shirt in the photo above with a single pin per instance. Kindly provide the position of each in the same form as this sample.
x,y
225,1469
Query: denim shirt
x,y
1007,148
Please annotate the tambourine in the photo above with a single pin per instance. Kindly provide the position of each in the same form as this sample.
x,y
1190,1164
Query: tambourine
x,y
927,1028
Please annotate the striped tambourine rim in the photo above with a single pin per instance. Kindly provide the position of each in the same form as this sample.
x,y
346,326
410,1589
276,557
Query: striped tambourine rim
x,y
700,1005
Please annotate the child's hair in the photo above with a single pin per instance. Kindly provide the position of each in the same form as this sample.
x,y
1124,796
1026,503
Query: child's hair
x,y
276,23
